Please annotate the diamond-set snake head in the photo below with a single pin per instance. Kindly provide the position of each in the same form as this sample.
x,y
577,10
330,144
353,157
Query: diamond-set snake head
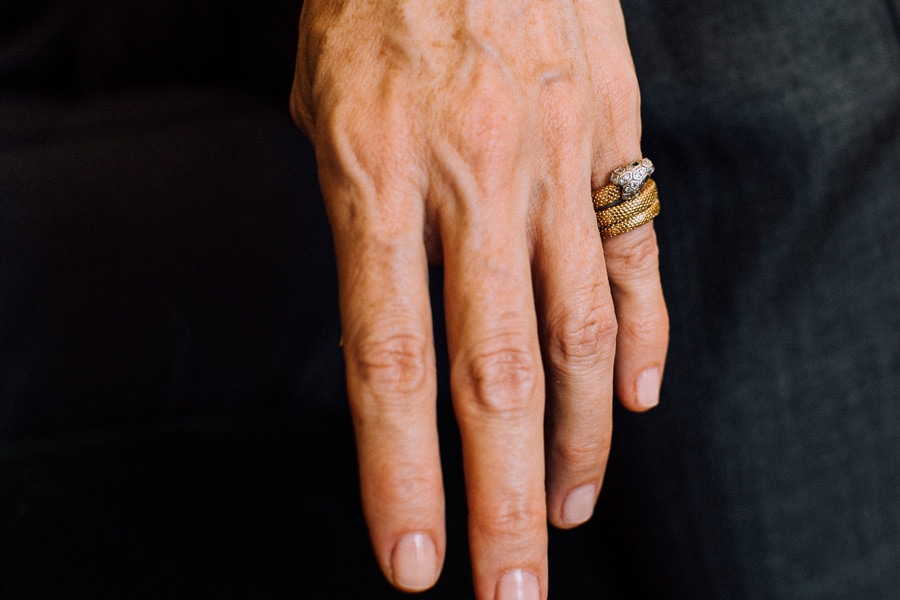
x,y
631,178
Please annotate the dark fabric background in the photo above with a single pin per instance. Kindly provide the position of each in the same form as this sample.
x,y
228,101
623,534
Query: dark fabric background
x,y
171,398
776,453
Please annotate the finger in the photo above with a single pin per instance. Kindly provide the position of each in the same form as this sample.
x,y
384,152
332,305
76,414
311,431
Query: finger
x,y
497,385
617,102
390,367
632,262
578,321
631,258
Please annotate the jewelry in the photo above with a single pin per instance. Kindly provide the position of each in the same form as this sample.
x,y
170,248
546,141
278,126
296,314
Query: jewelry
x,y
631,178
623,210
608,195
631,200
630,223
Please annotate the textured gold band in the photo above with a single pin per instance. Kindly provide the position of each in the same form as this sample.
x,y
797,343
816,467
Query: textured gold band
x,y
619,212
630,223
615,217
606,196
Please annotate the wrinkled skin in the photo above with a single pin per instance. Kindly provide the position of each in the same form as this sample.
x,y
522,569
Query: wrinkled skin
x,y
470,133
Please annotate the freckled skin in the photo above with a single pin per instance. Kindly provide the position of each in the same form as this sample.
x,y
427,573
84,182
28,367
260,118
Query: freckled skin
x,y
471,133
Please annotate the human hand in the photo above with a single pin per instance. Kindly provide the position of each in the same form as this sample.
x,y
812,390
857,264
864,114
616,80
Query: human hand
x,y
471,133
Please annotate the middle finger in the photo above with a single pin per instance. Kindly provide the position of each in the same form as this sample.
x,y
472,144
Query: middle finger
x,y
497,385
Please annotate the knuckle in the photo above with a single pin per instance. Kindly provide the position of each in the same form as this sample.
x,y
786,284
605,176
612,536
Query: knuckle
x,y
566,110
489,122
633,254
356,134
503,379
394,365
585,336
300,104
381,149
620,99
567,131
405,486
512,519
580,454
623,83
646,329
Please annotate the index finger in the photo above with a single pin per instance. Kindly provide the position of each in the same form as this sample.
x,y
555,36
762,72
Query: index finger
x,y
389,355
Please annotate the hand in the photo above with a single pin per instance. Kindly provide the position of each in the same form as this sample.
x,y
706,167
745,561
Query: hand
x,y
471,133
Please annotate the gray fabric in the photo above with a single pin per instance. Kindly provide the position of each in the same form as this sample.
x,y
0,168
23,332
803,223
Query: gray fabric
x,y
772,469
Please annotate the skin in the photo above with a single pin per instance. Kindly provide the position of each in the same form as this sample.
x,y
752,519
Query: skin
x,y
471,133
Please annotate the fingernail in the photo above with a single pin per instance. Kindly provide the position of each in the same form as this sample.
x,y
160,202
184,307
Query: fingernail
x,y
648,388
414,562
579,505
518,585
